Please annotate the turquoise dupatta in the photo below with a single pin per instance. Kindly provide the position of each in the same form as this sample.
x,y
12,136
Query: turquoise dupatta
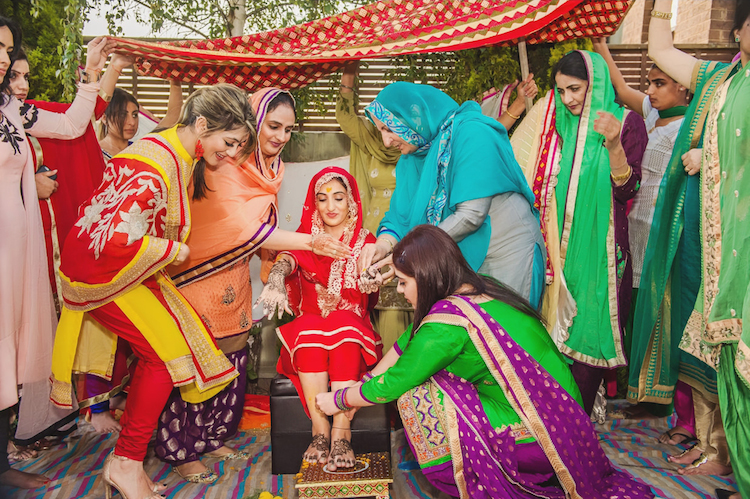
x,y
461,155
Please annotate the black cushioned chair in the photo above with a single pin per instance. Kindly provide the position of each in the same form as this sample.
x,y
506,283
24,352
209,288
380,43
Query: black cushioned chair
x,y
291,429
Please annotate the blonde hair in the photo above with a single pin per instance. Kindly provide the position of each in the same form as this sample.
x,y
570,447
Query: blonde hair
x,y
225,107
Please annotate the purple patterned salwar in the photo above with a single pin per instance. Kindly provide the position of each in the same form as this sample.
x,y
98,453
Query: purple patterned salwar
x,y
186,430
492,464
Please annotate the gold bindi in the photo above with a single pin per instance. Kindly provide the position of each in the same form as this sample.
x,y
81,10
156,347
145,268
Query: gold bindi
x,y
329,189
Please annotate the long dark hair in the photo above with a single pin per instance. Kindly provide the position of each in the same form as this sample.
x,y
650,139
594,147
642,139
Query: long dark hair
x,y
741,13
433,259
116,111
571,64
15,30
282,99
225,107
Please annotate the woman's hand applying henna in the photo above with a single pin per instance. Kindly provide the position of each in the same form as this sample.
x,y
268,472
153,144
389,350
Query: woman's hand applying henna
x,y
274,297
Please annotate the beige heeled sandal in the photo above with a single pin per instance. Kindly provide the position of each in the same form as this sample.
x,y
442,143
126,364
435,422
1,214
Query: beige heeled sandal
x,y
109,484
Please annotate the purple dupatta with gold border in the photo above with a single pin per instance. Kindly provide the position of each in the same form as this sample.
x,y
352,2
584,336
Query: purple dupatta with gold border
x,y
484,460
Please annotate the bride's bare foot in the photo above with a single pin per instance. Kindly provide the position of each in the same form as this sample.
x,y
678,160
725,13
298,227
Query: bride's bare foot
x,y
686,457
702,466
317,451
342,453
21,480
129,477
103,422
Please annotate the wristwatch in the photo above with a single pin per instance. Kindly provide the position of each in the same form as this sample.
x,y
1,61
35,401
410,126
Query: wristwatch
x,y
86,77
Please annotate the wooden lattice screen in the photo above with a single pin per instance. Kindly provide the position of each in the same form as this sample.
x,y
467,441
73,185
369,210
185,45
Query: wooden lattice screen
x,y
632,60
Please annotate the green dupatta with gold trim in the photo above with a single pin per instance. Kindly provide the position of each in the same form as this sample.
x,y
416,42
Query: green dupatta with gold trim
x,y
724,299
671,271
585,214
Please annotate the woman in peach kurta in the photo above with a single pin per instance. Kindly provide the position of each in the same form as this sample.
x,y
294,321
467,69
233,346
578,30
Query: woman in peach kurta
x,y
233,218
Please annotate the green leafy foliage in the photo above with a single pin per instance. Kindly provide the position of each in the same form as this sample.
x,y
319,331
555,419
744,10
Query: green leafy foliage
x,y
71,50
42,26
219,18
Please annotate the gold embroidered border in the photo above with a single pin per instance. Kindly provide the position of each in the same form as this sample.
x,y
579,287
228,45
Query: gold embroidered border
x,y
82,404
214,366
524,407
153,254
742,362
722,330
61,393
162,152
575,170
457,456
414,420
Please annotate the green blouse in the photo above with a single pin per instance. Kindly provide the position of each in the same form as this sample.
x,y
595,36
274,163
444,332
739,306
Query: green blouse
x,y
440,346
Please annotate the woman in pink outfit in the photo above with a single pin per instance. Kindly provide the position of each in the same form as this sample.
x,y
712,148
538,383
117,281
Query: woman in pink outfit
x,y
27,313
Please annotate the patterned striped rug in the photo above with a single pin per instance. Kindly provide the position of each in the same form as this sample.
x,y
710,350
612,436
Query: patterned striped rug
x,y
75,467
633,446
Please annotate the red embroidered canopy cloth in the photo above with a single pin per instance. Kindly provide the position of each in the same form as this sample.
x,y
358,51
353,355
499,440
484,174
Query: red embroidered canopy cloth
x,y
296,56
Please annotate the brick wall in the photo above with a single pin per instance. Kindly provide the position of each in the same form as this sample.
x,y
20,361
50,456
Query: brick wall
x,y
704,21
693,21
697,21
632,25
722,18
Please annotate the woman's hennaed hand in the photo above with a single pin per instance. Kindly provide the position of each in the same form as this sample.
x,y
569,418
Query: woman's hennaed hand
x,y
325,245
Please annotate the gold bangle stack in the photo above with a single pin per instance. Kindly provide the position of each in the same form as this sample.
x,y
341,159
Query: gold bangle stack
x,y
624,177
661,15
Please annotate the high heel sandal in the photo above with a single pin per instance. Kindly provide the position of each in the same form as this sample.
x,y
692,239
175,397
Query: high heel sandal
x,y
109,484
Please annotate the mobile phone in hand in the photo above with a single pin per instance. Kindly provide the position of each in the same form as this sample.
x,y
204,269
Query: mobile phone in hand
x,y
45,168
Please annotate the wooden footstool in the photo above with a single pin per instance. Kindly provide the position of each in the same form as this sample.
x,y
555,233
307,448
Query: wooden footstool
x,y
369,477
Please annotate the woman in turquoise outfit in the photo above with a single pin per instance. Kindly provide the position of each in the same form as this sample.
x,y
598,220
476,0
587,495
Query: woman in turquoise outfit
x,y
489,405
457,171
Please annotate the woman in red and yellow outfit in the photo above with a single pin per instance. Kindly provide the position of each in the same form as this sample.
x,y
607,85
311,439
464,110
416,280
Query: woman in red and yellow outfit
x,y
114,282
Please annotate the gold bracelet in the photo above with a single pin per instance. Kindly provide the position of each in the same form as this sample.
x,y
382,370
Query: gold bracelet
x,y
514,117
389,242
625,176
661,15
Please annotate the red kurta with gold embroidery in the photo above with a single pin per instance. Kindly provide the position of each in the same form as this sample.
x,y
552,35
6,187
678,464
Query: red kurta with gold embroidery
x,y
129,231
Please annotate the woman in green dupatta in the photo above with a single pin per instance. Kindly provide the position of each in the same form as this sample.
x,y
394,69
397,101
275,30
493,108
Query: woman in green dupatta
x,y
457,171
714,332
582,191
